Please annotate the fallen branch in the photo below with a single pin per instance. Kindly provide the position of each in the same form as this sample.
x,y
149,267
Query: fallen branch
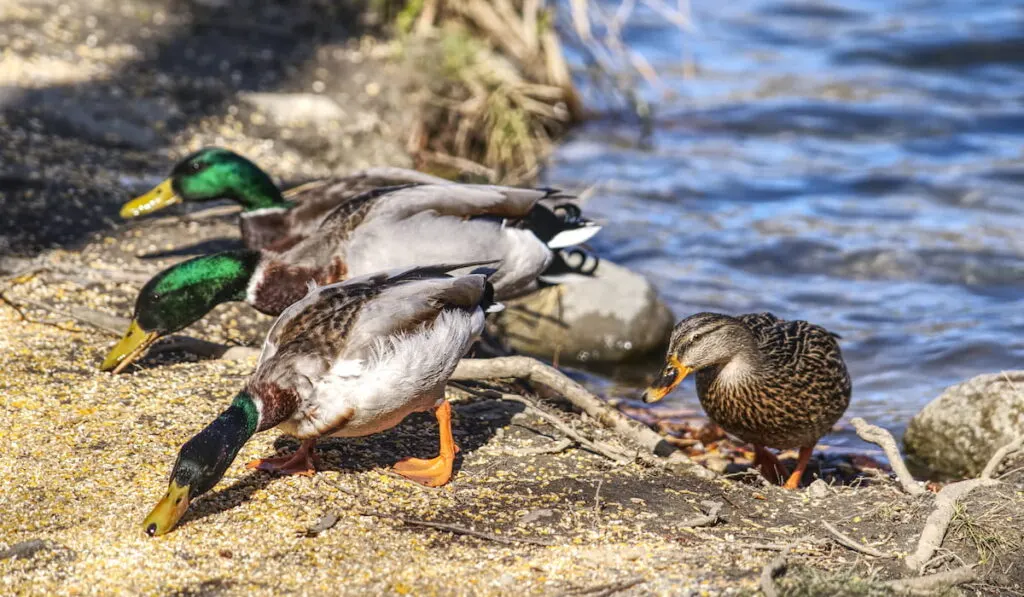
x,y
533,370
933,583
997,459
95,319
459,530
882,438
847,541
710,518
938,521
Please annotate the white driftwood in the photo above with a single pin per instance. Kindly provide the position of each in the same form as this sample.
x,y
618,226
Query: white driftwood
x,y
884,439
938,521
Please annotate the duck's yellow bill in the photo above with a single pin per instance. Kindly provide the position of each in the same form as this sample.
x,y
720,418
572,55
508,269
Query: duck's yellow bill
x,y
135,341
160,197
167,511
673,373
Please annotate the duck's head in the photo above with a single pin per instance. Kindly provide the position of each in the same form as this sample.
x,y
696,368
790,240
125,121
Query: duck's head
x,y
179,296
699,341
208,174
202,461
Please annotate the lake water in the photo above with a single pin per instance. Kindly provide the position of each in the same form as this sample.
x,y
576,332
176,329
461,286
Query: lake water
x,y
857,164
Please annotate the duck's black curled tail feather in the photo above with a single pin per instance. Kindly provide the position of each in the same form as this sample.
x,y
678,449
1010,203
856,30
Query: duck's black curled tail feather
x,y
559,225
569,265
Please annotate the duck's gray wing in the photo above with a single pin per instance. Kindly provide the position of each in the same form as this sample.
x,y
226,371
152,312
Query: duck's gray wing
x,y
429,238
462,200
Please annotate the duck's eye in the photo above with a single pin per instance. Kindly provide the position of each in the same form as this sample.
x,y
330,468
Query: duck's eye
x,y
195,166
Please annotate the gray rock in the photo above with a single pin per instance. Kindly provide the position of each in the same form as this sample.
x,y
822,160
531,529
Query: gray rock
x,y
296,108
613,317
818,489
958,432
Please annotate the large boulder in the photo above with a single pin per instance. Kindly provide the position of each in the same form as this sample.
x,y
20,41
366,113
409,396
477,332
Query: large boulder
x,y
958,432
613,317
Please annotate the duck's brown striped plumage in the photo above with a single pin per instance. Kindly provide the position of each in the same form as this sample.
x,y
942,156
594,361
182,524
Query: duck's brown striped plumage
x,y
770,382
795,394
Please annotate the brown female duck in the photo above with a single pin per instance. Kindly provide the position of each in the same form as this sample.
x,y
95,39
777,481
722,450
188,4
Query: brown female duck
x,y
772,383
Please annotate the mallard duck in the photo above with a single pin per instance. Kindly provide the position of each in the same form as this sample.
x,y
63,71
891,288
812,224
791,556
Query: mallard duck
x,y
772,383
348,360
378,230
271,218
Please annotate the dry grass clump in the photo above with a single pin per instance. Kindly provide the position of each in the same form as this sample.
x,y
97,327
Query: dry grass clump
x,y
501,89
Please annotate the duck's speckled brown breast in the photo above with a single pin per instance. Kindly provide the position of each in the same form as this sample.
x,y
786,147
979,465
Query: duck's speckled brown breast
x,y
792,399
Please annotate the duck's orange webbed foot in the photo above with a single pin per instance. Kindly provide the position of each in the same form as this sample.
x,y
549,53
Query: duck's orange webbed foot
x,y
433,472
793,481
303,462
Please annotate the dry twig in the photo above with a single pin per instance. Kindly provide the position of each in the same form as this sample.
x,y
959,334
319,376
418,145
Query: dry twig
x,y
847,541
533,370
710,518
884,439
607,589
596,447
938,521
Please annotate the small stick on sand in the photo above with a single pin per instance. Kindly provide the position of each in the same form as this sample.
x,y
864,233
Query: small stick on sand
x,y
884,439
459,530
596,447
533,370
847,541
710,518
933,583
938,521
553,448
93,319
608,588
997,459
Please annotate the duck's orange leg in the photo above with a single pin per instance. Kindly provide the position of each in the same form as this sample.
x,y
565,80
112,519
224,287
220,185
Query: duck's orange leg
x,y
303,462
434,472
769,464
805,456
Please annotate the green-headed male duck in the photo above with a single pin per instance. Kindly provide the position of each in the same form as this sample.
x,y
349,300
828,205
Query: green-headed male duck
x,y
348,360
381,229
271,218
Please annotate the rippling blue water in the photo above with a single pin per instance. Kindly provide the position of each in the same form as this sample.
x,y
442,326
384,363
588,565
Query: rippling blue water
x,y
857,164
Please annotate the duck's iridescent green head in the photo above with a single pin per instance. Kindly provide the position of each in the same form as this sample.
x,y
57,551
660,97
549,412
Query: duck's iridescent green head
x,y
208,174
202,462
181,295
